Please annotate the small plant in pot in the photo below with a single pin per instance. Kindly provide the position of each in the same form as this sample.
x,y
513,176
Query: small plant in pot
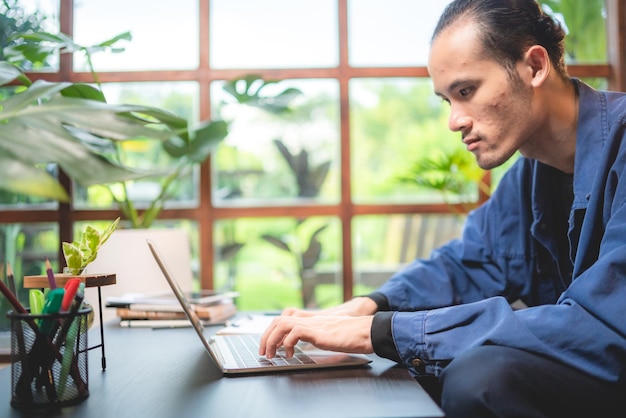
x,y
79,253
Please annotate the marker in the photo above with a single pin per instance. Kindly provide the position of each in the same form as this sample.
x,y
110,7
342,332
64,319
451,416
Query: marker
x,y
52,306
51,279
71,286
37,301
70,340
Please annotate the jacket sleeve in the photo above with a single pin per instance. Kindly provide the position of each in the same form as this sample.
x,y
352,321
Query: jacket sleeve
x,y
492,258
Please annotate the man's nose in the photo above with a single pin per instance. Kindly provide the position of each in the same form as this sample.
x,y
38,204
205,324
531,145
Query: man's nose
x,y
458,120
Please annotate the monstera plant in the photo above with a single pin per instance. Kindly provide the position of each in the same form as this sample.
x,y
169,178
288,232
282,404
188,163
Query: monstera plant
x,y
73,126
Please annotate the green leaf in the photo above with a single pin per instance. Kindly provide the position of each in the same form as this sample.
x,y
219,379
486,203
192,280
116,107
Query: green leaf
x,y
206,138
277,242
247,90
73,257
104,236
79,254
18,177
83,91
125,36
91,238
230,250
39,90
10,73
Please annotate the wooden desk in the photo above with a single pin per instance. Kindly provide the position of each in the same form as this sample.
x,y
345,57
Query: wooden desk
x,y
166,373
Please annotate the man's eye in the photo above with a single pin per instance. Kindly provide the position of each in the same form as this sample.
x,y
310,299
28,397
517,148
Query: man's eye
x,y
465,92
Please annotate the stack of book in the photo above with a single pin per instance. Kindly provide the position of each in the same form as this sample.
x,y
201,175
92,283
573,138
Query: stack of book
x,y
163,310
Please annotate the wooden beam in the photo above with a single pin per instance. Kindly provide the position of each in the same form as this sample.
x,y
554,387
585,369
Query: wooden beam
x,y
616,43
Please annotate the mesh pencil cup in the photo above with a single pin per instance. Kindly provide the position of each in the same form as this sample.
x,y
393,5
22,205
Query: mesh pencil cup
x,y
49,359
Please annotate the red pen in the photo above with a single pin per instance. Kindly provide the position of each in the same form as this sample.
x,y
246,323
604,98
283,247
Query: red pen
x,y
71,286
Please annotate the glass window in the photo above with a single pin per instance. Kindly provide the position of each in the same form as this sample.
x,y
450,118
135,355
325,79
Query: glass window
x,y
383,244
281,157
396,122
279,262
180,98
20,16
391,33
273,34
585,24
164,36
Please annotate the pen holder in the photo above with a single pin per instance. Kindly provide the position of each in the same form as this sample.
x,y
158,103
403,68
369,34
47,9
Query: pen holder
x,y
49,359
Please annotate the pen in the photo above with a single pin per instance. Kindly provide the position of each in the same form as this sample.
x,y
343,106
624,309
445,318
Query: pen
x,y
51,279
70,327
22,386
12,299
11,279
45,357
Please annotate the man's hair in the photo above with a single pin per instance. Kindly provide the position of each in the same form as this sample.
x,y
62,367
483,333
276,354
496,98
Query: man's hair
x,y
507,28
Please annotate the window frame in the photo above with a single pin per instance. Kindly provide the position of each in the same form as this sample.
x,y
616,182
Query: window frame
x,y
345,210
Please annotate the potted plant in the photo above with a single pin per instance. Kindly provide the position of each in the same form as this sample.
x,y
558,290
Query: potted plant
x,y
79,253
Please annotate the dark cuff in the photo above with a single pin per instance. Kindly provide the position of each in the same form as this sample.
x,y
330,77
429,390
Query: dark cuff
x,y
380,300
382,338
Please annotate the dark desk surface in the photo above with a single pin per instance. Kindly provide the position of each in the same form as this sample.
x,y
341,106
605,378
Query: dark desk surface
x,y
167,373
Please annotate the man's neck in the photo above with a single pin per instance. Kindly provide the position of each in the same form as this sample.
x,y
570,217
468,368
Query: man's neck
x,y
559,145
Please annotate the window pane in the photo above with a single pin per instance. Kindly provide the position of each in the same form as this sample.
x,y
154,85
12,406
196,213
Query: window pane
x,y
597,82
585,25
26,16
25,247
395,123
267,261
252,166
386,33
180,98
164,36
273,34
382,245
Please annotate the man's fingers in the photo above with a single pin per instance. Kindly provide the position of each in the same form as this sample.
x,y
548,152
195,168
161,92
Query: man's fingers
x,y
263,343
274,336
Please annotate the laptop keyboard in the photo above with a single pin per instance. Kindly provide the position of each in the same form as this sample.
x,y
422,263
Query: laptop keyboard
x,y
245,349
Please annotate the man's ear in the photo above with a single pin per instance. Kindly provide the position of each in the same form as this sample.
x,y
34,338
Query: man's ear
x,y
538,61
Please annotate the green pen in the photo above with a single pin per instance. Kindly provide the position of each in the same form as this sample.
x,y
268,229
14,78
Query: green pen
x,y
68,352
52,306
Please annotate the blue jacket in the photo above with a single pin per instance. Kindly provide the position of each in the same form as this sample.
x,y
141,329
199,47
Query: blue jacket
x,y
436,309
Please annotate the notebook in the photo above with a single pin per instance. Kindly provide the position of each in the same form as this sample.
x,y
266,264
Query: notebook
x,y
238,353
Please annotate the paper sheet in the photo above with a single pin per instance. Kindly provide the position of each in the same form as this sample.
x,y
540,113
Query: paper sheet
x,y
250,324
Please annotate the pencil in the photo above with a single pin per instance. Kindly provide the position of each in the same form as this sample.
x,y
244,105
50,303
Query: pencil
x,y
12,299
51,280
11,279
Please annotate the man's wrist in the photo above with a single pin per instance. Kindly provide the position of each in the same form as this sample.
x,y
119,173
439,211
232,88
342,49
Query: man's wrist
x,y
382,304
382,336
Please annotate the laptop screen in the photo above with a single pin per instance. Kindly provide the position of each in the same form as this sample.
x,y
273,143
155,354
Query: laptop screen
x,y
180,295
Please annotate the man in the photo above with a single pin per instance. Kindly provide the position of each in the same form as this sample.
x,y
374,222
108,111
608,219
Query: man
x,y
553,235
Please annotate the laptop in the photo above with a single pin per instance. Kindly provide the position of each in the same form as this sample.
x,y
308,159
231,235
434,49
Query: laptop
x,y
238,353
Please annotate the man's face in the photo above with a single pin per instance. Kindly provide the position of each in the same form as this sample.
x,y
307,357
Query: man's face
x,y
489,107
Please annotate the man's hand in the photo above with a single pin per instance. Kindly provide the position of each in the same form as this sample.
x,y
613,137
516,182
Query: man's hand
x,y
354,307
349,334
